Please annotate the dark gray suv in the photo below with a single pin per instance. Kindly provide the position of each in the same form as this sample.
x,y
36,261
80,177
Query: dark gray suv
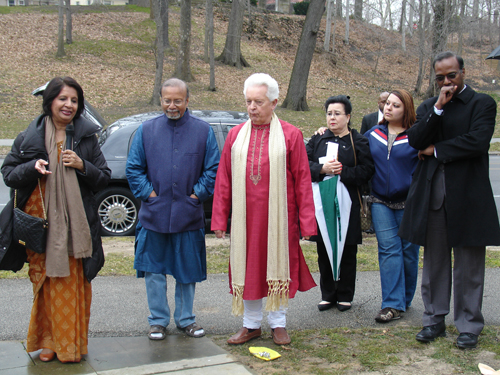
x,y
118,208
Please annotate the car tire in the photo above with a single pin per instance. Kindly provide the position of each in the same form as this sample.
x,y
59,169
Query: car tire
x,y
118,211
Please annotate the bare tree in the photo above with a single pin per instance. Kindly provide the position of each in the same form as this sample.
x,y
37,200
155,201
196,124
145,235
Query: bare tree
x,y
463,4
358,10
421,47
410,16
297,88
231,55
440,33
389,14
328,34
159,53
69,23
60,32
402,25
402,20
164,23
336,21
183,67
208,14
210,20
346,39
338,9
473,27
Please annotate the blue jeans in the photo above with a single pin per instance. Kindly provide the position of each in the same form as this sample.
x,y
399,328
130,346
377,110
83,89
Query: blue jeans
x,y
156,288
397,258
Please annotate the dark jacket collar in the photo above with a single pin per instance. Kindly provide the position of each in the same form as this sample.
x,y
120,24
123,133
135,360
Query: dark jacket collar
x,y
35,133
328,134
466,95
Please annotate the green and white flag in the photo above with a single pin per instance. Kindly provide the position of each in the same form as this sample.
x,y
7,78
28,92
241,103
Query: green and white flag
x,y
333,208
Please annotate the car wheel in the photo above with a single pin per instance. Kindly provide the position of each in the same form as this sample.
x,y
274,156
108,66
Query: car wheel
x,y
118,211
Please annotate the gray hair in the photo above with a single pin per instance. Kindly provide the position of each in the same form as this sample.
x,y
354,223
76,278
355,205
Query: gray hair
x,y
175,82
263,79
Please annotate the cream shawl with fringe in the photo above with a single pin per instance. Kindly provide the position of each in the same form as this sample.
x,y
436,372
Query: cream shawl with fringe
x,y
278,271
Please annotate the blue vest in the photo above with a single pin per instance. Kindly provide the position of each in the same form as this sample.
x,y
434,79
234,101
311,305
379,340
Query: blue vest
x,y
175,151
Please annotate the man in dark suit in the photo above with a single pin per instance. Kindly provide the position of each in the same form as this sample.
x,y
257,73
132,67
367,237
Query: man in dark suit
x,y
450,203
372,119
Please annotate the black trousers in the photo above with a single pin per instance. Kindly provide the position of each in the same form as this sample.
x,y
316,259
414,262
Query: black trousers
x,y
343,289
438,276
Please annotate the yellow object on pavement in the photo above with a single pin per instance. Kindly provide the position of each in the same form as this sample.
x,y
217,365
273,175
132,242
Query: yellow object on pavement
x,y
264,353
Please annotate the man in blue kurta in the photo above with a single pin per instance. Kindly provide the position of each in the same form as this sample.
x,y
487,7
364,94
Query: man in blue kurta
x,y
171,168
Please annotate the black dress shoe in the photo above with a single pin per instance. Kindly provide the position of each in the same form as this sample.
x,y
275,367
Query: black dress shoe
x,y
343,306
430,333
467,340
325,306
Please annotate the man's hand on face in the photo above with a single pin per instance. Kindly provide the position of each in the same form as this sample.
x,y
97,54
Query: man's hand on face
x,y
445,96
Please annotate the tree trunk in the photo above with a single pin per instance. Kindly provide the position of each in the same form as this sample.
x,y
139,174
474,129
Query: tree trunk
x,y
421,48
297,88
346,39
159,53
402,20
210,20
60,32
338,9
402,26
383,15
358,10
183,67
461,27
475,22
439,39
389,14
164,23
328,34
490,36
231,55
335,22
206,43
69,23
410,16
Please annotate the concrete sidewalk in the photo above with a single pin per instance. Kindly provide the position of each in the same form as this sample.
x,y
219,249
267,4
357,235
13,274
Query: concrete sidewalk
x,y
177,354
118,326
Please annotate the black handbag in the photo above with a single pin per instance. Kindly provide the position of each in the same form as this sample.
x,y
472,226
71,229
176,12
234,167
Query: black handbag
x,y
30,231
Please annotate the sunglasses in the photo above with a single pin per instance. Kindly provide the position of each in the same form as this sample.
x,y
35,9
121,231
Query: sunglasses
x,y
450,76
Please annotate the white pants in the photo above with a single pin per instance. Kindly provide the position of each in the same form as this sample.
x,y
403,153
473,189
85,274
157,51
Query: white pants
x,y
252,316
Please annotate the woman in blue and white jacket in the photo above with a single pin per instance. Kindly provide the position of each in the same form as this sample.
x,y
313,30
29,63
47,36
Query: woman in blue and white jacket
x,y
395,161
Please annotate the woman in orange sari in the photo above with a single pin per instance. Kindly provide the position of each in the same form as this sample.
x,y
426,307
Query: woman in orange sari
x,y
60,180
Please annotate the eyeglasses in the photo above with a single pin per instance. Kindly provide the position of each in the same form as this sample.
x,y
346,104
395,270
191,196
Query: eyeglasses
x,y
336,114
450,76
176,102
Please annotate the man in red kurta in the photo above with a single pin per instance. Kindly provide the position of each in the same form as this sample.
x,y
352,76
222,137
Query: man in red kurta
x,y
264,178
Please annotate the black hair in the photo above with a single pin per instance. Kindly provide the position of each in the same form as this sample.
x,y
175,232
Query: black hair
x,y
343,99
445,55
54,88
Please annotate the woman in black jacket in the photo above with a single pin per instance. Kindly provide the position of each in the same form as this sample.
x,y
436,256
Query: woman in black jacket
x,y
60,181
354,166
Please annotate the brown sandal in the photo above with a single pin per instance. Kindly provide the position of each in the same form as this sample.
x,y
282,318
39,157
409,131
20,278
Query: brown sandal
x,y
193,330
157,332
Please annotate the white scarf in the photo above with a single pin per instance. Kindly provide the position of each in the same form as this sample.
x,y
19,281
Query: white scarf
x,y
278,270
